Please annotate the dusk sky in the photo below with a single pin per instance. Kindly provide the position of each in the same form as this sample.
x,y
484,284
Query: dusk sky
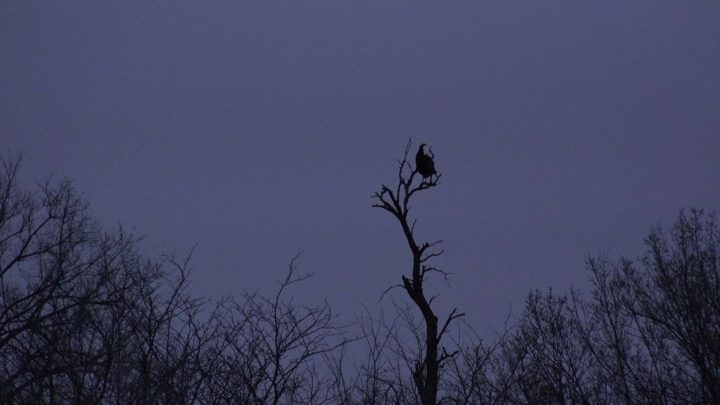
x,y
259,129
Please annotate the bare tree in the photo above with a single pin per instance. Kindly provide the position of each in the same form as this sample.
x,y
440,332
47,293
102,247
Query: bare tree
x,y
271,349
654,323
396,200
56,268
648,333
86,318
83,317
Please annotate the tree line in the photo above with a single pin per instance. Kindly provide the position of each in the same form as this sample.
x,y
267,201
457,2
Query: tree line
x,y
85,318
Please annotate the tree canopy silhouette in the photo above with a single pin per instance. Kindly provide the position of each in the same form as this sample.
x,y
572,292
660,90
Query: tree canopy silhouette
x,y
86,318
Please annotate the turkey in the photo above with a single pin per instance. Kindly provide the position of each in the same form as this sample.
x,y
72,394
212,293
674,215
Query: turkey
x,y
424,163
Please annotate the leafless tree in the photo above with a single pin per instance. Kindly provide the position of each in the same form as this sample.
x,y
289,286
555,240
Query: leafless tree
x,y
85,318
647,334
271,349
376,371
396,200
654,324
56,266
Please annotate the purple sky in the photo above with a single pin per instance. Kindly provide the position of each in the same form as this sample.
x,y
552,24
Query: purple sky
x,y
260,129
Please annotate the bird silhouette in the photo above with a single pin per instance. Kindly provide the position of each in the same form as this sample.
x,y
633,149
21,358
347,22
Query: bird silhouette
x,y
424,164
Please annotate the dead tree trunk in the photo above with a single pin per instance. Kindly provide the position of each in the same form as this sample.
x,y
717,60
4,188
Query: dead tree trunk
x,y
426,374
